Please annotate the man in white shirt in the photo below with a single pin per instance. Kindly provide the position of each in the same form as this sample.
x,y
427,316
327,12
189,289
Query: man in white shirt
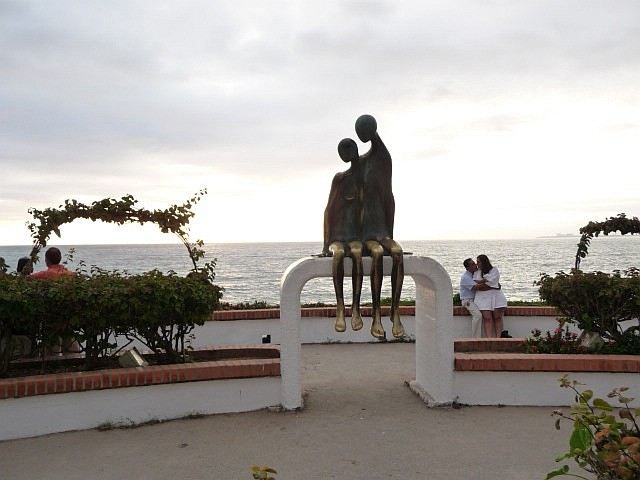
x,y
468,294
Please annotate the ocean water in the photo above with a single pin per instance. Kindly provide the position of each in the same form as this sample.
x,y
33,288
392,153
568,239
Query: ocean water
x,y
252,271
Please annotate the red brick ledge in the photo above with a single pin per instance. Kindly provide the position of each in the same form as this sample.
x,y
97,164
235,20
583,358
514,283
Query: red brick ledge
x,y
474,345
142,376
505,354
330,312
544,362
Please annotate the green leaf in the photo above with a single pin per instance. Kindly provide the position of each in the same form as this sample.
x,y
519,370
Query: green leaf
x,y
580,439
602,405
556,473
587,395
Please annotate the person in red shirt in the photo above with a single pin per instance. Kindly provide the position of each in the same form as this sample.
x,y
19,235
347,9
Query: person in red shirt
x,y
52,259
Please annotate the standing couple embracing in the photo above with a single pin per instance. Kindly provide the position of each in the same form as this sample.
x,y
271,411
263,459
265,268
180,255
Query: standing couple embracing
x,y
481,294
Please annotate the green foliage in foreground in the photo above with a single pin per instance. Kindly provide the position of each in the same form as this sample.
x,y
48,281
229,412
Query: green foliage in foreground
x,y
602,443
157,309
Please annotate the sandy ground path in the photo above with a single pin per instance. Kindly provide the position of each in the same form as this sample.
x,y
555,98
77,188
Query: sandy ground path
x,y
360,422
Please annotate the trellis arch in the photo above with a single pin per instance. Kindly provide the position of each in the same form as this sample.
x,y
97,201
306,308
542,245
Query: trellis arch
x,y
174,219
619,223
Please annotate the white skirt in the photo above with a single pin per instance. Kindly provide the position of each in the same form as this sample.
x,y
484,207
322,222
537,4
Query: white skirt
x,y
490,299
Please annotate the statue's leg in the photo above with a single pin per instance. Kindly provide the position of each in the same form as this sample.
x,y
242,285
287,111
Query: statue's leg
x,y
376,251
397,279
337,250
355,248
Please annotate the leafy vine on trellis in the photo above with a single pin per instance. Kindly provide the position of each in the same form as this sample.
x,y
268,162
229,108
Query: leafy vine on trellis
x,y
174,219
619,223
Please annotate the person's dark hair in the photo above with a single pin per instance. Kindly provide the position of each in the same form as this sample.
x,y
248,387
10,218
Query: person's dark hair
x,y
24,262
53,255
466,262
486,264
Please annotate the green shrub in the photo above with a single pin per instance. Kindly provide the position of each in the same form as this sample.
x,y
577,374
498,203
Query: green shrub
x,y
255,305
168,307
595,301
158,309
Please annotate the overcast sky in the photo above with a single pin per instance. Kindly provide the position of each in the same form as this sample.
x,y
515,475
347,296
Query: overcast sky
x,y
504,119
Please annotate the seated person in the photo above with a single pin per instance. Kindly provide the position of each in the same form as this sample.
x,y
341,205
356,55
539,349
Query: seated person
x,y
25,267
52,259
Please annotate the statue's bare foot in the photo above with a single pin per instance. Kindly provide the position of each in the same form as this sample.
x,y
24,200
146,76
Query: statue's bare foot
x,y
341,324
356,321
397,329
376,329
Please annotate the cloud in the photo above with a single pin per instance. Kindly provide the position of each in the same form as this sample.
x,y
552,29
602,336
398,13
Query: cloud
x,y
243,97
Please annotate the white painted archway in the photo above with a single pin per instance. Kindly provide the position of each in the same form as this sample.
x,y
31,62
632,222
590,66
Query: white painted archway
x,y
434,325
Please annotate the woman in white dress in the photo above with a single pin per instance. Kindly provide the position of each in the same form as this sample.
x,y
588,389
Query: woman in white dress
x,y
489,297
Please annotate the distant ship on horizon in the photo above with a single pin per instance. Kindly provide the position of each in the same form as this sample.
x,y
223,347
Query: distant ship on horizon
x,y
560,235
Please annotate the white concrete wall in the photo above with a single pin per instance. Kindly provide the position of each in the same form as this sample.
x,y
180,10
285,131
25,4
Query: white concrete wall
x,y
43,414
321,330
537,388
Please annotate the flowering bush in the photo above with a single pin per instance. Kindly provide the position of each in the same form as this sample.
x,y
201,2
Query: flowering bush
x,y
560,341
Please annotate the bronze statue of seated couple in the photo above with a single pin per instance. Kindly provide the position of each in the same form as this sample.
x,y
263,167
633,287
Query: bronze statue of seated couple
x,y
358,221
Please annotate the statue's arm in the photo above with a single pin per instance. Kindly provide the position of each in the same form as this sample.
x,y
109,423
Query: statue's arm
x,y
391,213
327,231
329,214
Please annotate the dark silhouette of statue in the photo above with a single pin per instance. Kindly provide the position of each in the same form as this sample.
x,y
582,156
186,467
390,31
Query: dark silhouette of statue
x,y
377,223
342,232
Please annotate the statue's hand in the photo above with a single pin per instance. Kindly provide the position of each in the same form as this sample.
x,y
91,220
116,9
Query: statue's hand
x,y
325,253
